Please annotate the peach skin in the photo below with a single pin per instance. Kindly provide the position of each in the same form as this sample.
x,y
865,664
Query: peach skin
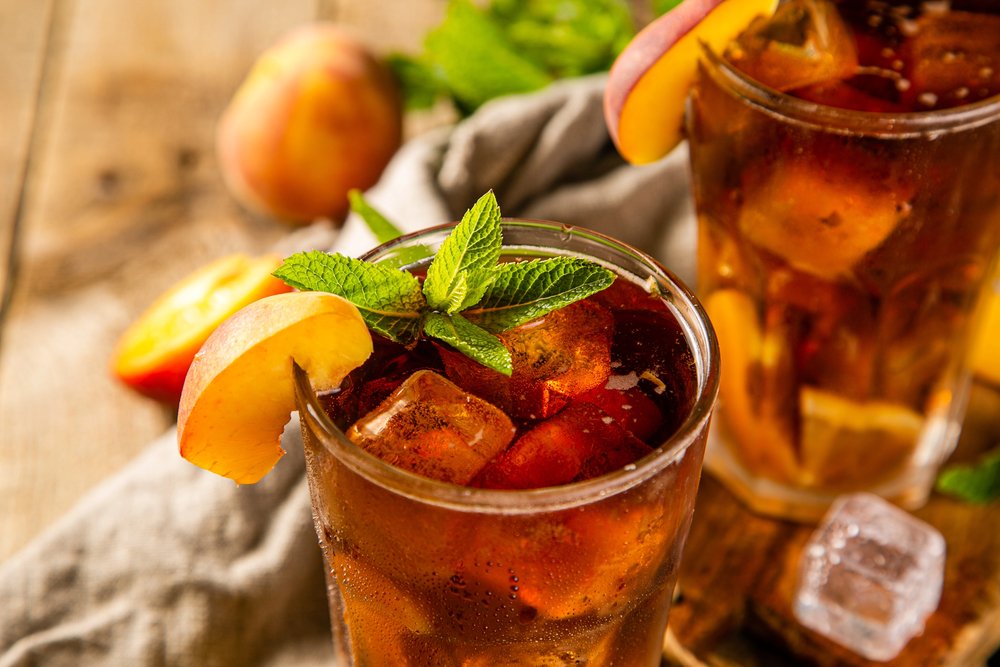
x,y
317,116
647,87
239,395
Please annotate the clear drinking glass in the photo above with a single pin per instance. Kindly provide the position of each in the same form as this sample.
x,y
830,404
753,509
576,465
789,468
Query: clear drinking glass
x,y
842,255
423,572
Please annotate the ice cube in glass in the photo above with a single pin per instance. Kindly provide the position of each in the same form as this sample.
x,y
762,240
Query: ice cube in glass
x,y
870,576
556,357
432,427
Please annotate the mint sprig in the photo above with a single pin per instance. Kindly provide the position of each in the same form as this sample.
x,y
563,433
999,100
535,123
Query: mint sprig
x,y
978,483
391,301
524,291
465,265
381,228
466,297
469,339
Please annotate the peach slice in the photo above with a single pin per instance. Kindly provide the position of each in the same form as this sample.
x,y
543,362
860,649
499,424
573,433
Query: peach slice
x,y
239,393
646,90
154,353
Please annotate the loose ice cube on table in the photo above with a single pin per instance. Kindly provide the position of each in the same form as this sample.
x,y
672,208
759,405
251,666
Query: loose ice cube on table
x,y
431,427
870,576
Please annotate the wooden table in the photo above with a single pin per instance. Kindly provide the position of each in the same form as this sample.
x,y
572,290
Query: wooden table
x,y
110,193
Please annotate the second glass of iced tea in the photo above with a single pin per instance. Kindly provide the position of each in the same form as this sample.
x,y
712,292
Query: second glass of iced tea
x,y
846,165
558,556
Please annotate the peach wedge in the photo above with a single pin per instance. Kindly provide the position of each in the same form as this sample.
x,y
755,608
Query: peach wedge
x,y
648,84
238,394
154,353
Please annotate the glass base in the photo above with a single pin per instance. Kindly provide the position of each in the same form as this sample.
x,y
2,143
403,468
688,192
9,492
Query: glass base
x,y
761,495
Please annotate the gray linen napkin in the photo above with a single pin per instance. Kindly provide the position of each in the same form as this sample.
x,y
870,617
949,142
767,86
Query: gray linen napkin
x,y
165,564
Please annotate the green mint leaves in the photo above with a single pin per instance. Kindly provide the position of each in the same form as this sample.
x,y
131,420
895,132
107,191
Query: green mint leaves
x,y
378,224
979,483
524,291
390,301
466,298
464,266
481,51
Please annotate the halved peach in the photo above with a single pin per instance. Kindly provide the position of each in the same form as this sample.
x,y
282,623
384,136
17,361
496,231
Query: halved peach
x,y
239,393
647,87
154,353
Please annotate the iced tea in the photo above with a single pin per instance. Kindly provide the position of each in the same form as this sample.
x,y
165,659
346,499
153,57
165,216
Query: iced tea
x,y
847,180
536,519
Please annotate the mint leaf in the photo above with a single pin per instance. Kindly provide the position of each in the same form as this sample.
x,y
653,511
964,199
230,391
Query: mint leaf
x,y
524,291
470,340
390,301
979,483
566,38
477,60
378,224
463,267
463,273
420,82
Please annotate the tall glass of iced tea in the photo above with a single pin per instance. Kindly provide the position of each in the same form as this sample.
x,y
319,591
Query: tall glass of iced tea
x,y
846,165
560,544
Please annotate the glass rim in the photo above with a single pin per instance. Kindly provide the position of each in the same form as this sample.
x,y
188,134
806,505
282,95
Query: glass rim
x,y
901,125
530,501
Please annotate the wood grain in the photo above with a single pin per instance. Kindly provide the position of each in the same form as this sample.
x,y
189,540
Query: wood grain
x,y
24,37
122,199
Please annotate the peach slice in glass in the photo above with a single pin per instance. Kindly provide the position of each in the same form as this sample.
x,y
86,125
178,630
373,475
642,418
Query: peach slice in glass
x,y
153,355
239,394
648,84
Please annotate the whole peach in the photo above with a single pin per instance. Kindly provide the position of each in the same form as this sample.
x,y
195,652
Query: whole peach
x,y
317,115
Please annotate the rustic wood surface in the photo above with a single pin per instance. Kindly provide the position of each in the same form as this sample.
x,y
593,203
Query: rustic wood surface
x,y
110,193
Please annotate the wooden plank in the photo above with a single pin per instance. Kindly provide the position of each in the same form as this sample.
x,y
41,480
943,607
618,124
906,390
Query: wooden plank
x,y
24,33
124,197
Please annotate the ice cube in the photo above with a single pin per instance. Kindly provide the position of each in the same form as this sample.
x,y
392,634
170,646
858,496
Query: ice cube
x,y
870,576
823,215
431,427
555,357
805,42
955,58
578,443
622,399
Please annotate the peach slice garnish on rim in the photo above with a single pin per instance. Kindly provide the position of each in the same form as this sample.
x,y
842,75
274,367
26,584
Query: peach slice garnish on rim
x,y
154,353
239,393
647,87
